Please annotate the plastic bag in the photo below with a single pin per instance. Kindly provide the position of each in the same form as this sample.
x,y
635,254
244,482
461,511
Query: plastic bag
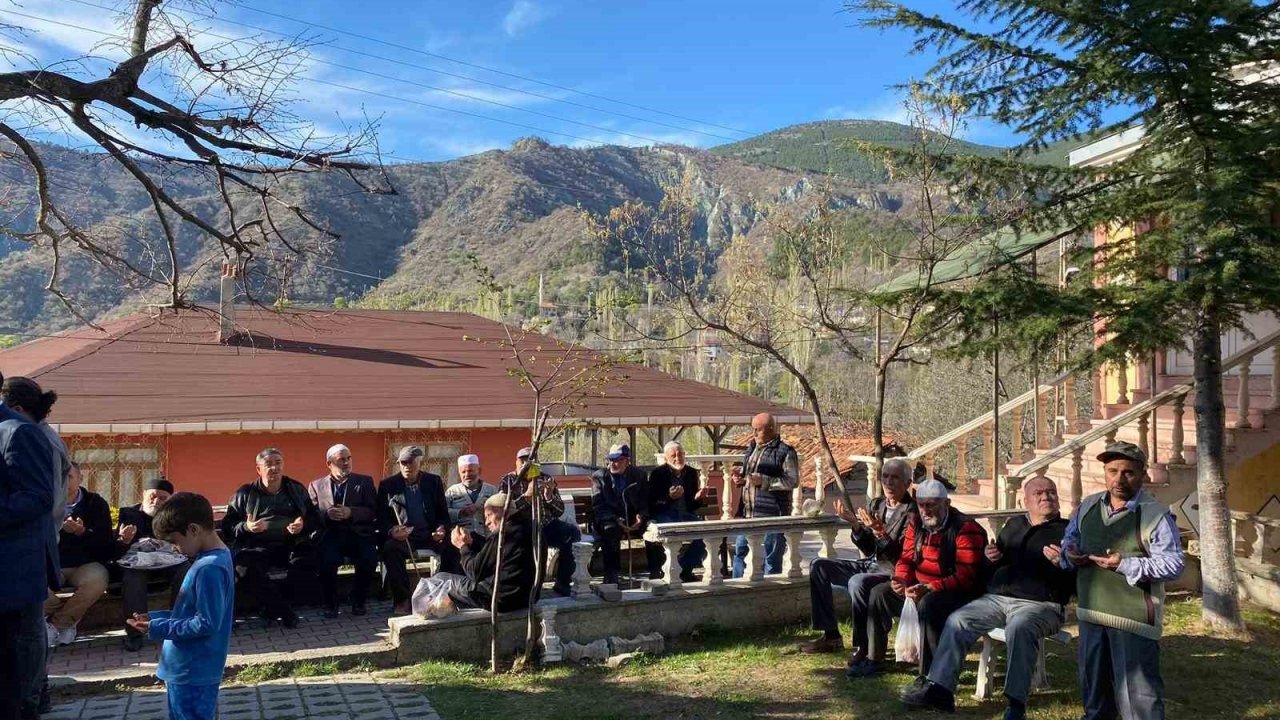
x,y
431,598
906,648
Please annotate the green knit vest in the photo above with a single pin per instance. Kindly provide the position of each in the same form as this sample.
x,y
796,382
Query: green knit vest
x,y
1105,596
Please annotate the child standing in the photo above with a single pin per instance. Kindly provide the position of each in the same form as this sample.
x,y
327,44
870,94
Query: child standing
x,y
197,632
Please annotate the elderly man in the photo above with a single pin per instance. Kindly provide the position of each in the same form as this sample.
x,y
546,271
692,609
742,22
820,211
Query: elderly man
x,y
133,526
270,523
675,494
1026,595
939,569
86,545
413,516
467,496
620,504
347,505
877,532
770,471
480,558
556,532
27,500
1125,547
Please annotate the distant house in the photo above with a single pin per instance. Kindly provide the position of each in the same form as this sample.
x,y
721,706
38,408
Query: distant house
x,y
163,396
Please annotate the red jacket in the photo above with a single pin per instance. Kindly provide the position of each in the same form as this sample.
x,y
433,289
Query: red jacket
x,y
970,540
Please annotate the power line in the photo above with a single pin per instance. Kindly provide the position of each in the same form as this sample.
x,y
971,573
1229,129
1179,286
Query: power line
x,y
446,73
387,96
486,68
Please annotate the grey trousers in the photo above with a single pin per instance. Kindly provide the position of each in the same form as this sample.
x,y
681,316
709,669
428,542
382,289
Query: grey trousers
x,y
1025,622
1119,675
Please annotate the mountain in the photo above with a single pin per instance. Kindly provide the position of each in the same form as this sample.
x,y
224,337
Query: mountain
x,y
519,211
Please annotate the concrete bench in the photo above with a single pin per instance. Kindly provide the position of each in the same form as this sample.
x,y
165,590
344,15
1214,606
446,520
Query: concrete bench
x,y
986,662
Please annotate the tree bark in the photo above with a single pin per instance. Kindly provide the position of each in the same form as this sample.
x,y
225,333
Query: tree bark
x,y
1221,608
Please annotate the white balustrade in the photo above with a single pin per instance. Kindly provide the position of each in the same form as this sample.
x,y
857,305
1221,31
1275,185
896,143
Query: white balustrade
x,y
755,557
582,552
791,561
1176,442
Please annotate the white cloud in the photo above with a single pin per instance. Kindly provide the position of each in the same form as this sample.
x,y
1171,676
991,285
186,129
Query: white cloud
x,y
523,15
888,107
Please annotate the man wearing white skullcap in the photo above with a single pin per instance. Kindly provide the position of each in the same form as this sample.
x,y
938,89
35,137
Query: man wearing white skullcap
x,y
348,507
466,497
939,569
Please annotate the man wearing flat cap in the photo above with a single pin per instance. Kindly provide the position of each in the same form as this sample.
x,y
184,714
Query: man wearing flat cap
x,y
347,503
135,525
412,516
1125,547
620,504
556,532
939,569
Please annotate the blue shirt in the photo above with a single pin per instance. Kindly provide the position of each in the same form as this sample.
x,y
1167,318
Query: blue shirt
x,y
1165,561
417,517
197,632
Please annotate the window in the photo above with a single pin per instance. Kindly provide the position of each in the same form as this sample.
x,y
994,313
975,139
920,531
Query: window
x,y
442,451
116,467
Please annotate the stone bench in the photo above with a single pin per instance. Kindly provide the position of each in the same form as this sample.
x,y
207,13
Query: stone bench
x,y
986,662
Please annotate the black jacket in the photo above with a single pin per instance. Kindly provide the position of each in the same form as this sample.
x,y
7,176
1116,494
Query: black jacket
x,y
360,495
662,479
480,557
889,547
1022,570
251,499
97,544
609,507
552,507
134,516
434,506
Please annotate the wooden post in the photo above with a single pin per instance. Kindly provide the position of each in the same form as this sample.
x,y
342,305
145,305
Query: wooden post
x,y
567,445
595,447
1242,397
995,415
1176,456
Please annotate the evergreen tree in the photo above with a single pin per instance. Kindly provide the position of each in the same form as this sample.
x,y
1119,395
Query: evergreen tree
x,y
1202,78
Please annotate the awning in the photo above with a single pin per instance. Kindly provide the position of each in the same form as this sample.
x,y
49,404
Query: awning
x,y
990,251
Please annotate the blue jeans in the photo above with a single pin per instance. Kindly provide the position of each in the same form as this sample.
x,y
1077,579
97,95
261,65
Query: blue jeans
x,y
775,546
192,702
562,535
697,550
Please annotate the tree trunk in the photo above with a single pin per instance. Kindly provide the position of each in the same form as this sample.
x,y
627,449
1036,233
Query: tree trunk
x,y
1221,608
877,431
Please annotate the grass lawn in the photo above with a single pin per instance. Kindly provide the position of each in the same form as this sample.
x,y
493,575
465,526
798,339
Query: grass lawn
x,y
756,674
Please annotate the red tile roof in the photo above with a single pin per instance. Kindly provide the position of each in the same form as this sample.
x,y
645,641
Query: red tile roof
x,y
304,369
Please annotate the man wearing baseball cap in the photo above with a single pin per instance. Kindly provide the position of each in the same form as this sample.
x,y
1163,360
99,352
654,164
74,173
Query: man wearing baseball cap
x,y
620,501
413,516
1125,546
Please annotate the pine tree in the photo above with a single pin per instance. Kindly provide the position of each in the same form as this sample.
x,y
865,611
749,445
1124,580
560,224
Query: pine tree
x,y
1202,78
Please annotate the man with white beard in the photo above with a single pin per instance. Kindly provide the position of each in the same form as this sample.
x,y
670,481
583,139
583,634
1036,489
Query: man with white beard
x,y
135,525
466,497
675,494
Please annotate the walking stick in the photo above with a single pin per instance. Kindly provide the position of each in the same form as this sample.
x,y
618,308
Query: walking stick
x,y
401,513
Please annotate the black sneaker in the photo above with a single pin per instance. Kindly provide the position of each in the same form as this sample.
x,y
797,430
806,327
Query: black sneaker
x,y
924,695
290,620
134,643
864,669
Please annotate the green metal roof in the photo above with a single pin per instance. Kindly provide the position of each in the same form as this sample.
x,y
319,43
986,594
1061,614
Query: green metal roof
x,y
990,251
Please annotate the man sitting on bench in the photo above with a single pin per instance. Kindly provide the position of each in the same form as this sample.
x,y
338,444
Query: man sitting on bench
x,y
134,526
1025,596
84,546
413,515
270,523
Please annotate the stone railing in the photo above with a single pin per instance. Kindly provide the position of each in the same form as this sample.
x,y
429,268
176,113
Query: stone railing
x,y
1144,413
951,452
673,535
1261,530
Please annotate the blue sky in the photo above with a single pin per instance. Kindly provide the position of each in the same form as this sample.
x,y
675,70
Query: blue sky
x,y
750,65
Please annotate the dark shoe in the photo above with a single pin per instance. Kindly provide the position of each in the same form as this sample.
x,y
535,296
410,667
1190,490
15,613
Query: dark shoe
x,y
822,644
331,612
611,579
134,643
858,656
924,695
688,576
401,608
562,590
1015,710
865,669
359,609
656,575
290,620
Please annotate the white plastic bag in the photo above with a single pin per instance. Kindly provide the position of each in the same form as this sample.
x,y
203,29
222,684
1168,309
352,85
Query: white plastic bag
x,y
906,648
431,598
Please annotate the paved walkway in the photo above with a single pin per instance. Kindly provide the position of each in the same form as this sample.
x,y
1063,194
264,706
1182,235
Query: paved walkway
x,y
102,658
338,697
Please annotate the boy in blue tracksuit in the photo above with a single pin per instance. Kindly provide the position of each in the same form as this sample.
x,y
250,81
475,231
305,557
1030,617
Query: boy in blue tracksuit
x,y
197,632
